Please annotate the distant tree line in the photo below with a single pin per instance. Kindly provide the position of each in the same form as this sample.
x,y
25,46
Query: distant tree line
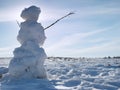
x,y
68,58
115,57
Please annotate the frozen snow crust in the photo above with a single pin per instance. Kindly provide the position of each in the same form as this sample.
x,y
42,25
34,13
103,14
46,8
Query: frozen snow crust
x,y
28,60
72,74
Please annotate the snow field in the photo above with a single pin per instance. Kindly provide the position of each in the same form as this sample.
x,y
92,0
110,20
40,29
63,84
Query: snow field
x,y
84,74
74,74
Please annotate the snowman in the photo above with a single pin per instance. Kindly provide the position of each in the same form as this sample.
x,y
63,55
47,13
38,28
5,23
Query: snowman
x,y
28,60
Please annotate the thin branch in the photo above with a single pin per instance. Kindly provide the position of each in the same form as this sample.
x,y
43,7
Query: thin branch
x,y
59,20
18,23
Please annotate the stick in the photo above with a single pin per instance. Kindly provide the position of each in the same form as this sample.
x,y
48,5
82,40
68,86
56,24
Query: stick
x,y
59,20
18,23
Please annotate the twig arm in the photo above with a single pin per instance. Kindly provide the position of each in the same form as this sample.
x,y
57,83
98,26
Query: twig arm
x,y
59,20
18,23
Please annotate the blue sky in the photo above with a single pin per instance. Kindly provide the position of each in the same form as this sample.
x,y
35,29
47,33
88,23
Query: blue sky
x,y
92,32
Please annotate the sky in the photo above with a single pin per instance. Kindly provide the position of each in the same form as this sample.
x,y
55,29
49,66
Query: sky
x,y
93,31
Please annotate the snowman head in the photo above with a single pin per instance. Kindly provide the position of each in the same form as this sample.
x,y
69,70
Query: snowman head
x,y
31,13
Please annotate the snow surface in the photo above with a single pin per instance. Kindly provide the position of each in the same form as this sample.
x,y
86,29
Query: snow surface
x,y
71,74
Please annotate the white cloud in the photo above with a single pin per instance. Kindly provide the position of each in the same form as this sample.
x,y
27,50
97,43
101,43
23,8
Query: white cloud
x,y
97,40
13,13
50,13
73,39
67,45
102,10
100,50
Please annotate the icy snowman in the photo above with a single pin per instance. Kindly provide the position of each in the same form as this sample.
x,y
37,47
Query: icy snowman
x,y
28,60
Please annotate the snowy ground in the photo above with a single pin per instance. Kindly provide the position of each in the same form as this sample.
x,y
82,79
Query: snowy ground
x,y
72,74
